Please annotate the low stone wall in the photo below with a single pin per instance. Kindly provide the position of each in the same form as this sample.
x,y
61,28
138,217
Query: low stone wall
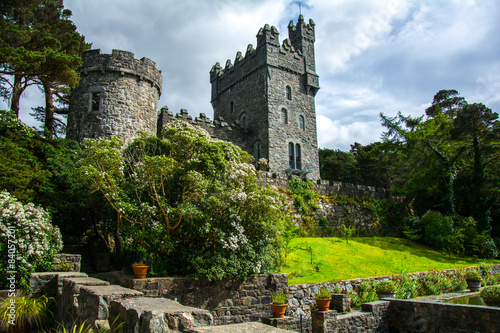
x,y
229,301
72,261
372,318
418,316
326,187
301,296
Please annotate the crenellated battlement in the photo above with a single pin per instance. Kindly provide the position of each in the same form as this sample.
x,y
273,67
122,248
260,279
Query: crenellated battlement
x,y
123,62
269,51
232,131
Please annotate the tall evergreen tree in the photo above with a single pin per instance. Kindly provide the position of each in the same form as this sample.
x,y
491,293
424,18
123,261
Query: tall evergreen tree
x,y
39,45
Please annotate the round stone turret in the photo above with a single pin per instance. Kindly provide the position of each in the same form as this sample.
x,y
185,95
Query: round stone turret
x,y
117,96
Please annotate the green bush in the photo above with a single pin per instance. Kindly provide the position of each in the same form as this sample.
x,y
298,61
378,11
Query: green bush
x,y
190,200
491,295
28,241
437,229
385,287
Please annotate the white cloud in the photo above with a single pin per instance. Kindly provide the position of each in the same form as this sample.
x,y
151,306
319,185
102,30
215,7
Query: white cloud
x,y
335,135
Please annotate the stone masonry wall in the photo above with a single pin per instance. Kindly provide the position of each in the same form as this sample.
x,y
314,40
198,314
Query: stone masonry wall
x,y
372,318
218,129
229,301
117,96
411,316
253,91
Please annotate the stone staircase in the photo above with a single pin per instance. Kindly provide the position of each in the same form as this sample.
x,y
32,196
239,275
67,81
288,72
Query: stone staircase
x,y
81,298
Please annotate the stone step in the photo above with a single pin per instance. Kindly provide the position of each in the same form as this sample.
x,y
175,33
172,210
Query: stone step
x,y
146,314
67,302
93,301
251,327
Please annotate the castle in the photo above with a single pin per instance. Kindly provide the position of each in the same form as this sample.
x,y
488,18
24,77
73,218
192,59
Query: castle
x,y
263,102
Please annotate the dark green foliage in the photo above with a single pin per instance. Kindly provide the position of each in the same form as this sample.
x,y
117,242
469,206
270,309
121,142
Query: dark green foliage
x,y
437,229
336,165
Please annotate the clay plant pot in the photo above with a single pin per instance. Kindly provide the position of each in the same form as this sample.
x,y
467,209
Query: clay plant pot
x,y
140,272
323,304
278,310
474,285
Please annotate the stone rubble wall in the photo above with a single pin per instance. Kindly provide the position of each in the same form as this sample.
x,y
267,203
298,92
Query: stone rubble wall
x,y
128,91
325,187
219,128
229,300
373,317
72,260
417,316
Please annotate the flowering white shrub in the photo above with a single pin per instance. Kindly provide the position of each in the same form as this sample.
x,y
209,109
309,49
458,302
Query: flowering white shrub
x,y
28,241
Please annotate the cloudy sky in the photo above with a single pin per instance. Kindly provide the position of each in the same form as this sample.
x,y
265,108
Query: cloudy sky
x,y
372,56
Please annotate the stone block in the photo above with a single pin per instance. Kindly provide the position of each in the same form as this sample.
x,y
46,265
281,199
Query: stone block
x,y
93,301
341,303
251,327
157,315
67,302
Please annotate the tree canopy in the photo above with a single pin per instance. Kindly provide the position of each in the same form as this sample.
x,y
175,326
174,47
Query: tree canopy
x,y
190,200
39,45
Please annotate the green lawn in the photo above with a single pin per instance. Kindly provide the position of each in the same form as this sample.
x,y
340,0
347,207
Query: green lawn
x,y
334,260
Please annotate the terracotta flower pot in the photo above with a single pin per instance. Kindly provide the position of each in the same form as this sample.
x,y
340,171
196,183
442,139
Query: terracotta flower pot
x,y
474,285
140,271
278,310
323,304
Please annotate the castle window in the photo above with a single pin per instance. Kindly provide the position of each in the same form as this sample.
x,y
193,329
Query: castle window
x,y
257,150
302,125
288,93
284,116
298,157
96,101
243,120
96,96
232,106
291,156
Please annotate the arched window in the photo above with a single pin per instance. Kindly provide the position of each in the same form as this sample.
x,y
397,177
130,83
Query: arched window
x,y
288,93
231,105
257,150
298,157
302,125
243,119
284,116
291,156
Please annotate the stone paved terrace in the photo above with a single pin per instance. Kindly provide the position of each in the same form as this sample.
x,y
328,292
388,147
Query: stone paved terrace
x,y
251,327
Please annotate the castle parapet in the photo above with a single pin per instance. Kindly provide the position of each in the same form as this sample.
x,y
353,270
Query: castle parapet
x,y
124,63
219,128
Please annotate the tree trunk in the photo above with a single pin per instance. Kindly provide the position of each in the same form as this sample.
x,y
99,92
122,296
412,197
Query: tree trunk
x,y
17,90
49,108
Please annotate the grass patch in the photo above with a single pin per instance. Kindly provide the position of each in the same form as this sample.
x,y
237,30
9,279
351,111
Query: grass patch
x,y
334,260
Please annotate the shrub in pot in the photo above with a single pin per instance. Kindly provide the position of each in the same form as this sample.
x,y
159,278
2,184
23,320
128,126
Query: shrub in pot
x,y
473,279
385,289
279,304
323,298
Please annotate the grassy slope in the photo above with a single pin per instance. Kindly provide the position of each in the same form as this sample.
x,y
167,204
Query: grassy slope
x,y
363,257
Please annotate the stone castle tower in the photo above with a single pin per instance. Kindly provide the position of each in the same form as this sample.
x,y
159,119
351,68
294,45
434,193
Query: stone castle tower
x,y
264,102
270,92
117,96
